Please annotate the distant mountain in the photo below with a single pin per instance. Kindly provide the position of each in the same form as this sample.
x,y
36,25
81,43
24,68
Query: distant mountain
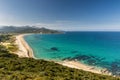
x,y
26,29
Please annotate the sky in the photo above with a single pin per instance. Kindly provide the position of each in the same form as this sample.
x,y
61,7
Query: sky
x,y
70,15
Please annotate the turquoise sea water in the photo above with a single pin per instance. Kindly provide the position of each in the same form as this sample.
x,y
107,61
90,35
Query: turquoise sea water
x,y
93,48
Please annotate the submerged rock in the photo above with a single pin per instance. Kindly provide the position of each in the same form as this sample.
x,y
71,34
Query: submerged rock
x,y
67,58
74,51
82,57
91,61
54,49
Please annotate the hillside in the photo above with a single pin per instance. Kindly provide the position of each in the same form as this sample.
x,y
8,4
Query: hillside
x,y
26,29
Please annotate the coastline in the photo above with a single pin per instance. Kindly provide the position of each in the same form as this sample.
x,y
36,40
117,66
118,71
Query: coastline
x,y
26,51
85,67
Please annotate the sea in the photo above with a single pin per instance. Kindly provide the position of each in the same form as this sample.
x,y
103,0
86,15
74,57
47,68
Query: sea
x,y
97,48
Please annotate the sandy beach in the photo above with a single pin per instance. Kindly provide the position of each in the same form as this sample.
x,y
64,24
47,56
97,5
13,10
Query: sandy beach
x,y
79,65
26,51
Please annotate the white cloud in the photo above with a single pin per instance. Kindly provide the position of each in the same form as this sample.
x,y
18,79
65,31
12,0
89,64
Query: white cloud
x,y
77,26
6,20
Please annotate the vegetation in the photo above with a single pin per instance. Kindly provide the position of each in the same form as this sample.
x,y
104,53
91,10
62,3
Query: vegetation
x,y
26,29
4,38
8,41
14,68
12,47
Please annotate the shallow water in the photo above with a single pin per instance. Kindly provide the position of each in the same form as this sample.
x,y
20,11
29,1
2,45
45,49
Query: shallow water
x,y
100,49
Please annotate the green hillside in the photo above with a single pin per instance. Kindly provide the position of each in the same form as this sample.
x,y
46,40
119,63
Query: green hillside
x,y
26,29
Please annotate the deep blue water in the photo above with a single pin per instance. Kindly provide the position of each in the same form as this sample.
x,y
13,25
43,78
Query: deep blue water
x,y
93,48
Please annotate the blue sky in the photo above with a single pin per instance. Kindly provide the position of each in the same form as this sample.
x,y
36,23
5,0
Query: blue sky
x,y
62,14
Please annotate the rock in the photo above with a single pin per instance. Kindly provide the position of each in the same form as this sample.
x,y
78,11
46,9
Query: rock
x,y
54,49
74,51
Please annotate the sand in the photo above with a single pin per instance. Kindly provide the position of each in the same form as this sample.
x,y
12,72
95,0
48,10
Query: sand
x,y
79,65
26,51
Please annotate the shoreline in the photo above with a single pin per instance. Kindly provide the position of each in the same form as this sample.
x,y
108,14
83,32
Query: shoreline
x,y
79,65
26,51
